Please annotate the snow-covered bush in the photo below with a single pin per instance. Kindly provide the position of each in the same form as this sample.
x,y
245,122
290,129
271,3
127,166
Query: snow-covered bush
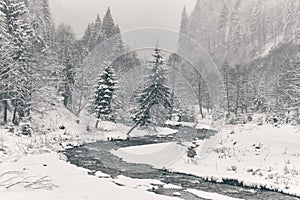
x,y
260,121
187,115
88,128
10,127
26,129
232,168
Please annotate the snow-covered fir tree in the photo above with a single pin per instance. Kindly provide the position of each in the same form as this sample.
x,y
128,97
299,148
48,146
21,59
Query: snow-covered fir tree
x,y
108,25
183,30
93,34
119,46
235,31
6,58
198,26
223,23
173,61
154,93
41,20
22,51
87,37
104,94
289,82
257,26
64,48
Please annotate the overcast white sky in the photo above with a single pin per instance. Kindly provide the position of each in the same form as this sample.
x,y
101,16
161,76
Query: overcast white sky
x,y
128,14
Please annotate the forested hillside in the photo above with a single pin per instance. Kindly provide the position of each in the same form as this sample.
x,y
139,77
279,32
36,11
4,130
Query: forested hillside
x,y
256,47
41,62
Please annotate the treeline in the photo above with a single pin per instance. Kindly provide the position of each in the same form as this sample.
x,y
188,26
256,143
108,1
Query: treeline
x,y
256,46
21,52
41,62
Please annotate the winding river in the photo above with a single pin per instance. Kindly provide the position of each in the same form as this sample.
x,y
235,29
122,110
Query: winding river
x,y
97,157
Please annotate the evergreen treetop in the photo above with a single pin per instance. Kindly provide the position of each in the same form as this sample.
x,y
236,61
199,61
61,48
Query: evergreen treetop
x,y
155,91
108,25
104,93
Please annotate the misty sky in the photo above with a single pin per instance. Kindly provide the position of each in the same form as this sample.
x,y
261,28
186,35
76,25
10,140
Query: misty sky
x,y
129,14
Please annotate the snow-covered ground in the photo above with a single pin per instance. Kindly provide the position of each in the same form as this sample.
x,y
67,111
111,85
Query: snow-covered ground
x,y
208,195
47,177
257,156
254,155
30,168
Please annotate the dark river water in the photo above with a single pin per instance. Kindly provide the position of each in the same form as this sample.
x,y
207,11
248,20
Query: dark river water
x,y
97,157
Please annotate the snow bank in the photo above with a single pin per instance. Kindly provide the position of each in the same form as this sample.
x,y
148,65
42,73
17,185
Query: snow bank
x,y
165,131
171,186
101,175
30,170
210,196
158,155
256,156
176,123
143,184
46,177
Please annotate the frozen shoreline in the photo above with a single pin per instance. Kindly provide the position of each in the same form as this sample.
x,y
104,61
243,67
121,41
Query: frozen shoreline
x,y
244,153
248,155
31,168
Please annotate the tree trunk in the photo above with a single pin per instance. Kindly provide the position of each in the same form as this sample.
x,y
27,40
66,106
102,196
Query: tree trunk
x,y
237,98
173,89
98,119
277,94
136,125
5,109
65,101
227,92
97,123
199,96
81,86
66,95
80,104
172,106
14,120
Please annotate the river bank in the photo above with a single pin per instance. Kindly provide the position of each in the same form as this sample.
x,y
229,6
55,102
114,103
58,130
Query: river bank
x,y
246,155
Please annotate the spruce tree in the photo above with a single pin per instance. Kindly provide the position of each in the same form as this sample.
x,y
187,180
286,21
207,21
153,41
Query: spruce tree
x,y
257,27
119,42
98,23
235,29
96,36
289,83
108,25
173,61
5,57
20,37
98,32
198,24
47,22
41,19
154,93
223,23
87,37
104,94
93,34
182,41
64,47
